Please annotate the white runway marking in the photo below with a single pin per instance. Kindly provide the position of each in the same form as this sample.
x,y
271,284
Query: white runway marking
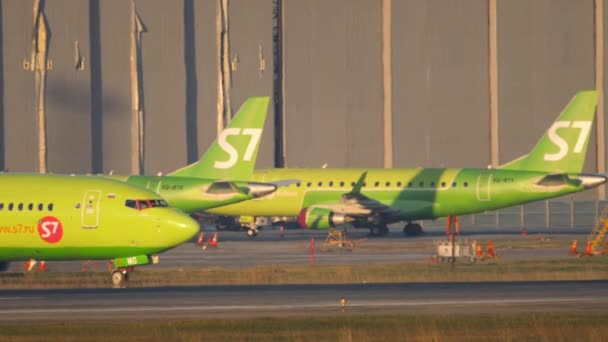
x,y
19,298
271,307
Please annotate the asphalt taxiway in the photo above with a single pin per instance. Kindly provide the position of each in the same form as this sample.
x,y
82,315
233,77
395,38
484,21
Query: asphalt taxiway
x,y
281,300
235,249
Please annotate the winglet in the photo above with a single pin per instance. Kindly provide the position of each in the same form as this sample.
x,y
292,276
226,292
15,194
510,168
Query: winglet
x,y
564,147
234,153
357,188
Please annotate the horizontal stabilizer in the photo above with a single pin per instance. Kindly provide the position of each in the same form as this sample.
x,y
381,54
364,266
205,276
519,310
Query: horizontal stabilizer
x,y
223,188
562,179
557,179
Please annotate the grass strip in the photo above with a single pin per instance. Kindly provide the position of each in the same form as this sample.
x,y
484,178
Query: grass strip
x,y
347,327
593,268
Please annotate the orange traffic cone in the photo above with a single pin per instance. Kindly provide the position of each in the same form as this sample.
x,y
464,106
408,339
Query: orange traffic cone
x,y
573,250
479,251
29,264
524,232
213,242
490,251
588,249
201,238
42,266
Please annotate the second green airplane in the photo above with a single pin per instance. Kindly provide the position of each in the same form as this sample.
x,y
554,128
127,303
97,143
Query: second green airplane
x,y
373,198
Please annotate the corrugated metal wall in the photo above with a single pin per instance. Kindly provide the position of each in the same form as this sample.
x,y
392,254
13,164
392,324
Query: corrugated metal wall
x,y
68,99
440,83
546,54
332,85
20,132
164,83
200,66
251,52
111,77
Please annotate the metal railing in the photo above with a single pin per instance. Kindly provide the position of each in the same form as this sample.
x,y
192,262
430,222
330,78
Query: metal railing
x,y
544,214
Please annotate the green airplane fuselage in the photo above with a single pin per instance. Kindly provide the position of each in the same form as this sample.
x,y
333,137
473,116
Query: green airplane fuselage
x,y
195,194
421,193
55,217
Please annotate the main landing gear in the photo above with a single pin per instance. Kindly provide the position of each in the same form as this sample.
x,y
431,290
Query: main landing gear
x,y
378,230
412,229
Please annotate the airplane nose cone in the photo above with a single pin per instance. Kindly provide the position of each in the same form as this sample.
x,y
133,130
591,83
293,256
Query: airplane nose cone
x,y
261,189
591,181
182,227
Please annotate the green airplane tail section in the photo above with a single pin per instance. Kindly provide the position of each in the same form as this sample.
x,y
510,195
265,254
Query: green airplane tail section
x,y
234,153
564,147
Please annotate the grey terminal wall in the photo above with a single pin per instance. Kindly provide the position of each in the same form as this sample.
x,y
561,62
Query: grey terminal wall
x,y
346,76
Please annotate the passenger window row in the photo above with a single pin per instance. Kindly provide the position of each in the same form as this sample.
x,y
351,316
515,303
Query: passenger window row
x,y
30,207
388,184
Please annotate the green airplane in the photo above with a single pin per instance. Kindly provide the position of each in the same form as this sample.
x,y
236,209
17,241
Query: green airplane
x,y
373,198
220,176
214,182
60,217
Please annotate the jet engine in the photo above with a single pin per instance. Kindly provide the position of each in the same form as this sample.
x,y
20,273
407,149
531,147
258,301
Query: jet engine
x,y
321,218
4,266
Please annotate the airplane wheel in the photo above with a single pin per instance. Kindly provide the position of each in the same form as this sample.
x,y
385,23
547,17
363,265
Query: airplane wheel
x,y
252,232
412,229
378,230
119,278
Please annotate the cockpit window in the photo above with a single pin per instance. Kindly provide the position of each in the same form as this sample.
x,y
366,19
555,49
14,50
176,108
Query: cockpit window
x,y
159,203
141,204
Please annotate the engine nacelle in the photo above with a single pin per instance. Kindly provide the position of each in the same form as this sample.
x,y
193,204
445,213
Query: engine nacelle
x,y
321,218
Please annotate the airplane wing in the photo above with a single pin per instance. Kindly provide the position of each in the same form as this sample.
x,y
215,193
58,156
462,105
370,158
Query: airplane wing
x,y
352,205
361,205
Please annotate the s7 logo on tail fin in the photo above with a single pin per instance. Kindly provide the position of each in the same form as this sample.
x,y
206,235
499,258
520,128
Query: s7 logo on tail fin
x,y
253,133
585,128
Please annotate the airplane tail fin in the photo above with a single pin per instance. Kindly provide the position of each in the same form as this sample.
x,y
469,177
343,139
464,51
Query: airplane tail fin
x,y
564,147
234,153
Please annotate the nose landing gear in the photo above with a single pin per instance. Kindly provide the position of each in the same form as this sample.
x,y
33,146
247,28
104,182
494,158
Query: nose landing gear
x,y
120,276
252,231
